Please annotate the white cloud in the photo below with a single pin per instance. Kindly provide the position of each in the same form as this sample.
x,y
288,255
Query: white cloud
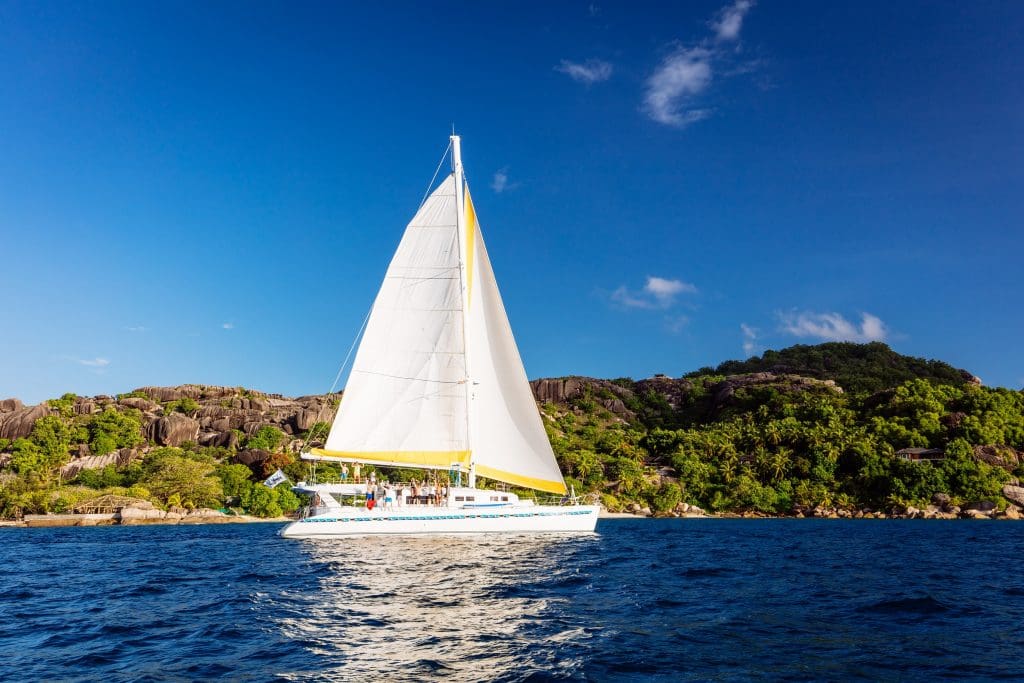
x,y
94,363
500,182
666,290
623,296
674,89
137,328
749,339
228,326
658,292
833,326
591,71
729,20
683,75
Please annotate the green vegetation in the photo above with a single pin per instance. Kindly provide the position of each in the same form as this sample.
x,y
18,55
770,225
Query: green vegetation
x,y
185,405
186,477
266,438
113,429
858,368
774,446
722,438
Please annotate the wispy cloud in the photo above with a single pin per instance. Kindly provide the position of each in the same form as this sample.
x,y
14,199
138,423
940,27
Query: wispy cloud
x,y
500,183
729,20
658,292
590,71
833,326
672,93
670,89
93,363
749,339
676,323
137,328
228,326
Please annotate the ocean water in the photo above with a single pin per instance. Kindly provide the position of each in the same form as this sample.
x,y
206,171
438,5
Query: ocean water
x,y
707,600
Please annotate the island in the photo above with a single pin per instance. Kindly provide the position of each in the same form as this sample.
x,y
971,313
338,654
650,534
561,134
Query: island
x,y
837,430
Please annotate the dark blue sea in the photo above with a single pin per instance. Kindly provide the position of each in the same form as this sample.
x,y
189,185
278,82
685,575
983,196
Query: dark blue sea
x,y
706,600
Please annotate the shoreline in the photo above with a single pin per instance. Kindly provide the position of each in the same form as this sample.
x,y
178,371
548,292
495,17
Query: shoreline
x,y
113,519
93,520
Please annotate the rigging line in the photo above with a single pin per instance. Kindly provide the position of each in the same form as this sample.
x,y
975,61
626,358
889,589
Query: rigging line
x,y
350,349
439,164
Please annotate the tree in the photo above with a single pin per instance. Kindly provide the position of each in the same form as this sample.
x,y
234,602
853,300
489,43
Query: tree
x,y
261,501
235,479
53,437
195,482
26,457
266,438
113,429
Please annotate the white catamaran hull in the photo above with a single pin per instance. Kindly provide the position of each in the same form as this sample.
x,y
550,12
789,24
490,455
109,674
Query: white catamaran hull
x,y
359,521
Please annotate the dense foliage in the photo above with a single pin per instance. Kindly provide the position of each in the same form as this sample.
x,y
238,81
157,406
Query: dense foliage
x,y
773,449
858,368
722,438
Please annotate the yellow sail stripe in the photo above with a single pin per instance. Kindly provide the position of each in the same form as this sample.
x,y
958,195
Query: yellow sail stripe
x,y
520,480
434,459
470,239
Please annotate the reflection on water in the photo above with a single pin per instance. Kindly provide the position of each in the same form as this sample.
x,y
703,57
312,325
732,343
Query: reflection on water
x,y
466,608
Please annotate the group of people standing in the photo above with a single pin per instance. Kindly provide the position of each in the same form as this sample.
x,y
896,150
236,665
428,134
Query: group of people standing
x,y
385,495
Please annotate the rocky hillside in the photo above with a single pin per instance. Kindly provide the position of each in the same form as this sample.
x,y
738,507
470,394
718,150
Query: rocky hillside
x,y
833,427
174,416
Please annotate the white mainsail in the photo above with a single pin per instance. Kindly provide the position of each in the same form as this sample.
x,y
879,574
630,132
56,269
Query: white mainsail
x,y
438,381
405,400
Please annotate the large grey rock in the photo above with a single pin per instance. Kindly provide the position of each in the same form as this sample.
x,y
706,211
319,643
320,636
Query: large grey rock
x,y
252,456
9,405
140,403
1014,494
140,514
305,419
998,456
173,430
18,423
172,393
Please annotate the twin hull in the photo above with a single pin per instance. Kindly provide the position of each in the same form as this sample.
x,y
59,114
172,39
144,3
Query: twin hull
x,y
359,521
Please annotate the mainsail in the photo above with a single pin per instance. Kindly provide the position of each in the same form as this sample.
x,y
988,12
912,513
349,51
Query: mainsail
x,y
437,381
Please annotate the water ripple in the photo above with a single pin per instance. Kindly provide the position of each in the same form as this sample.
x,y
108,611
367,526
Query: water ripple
x,y
666,600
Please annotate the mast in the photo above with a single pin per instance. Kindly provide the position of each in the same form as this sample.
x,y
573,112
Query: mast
x,y
460,208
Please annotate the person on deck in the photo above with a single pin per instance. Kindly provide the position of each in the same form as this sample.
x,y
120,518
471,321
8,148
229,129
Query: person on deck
x,y
356,469
344,473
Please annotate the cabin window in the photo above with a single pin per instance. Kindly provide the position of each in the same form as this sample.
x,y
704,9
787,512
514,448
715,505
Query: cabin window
x,y
504,499
459,499
494,498
470,498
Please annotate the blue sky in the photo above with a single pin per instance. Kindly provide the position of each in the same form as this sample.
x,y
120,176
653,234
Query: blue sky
x,y
211,192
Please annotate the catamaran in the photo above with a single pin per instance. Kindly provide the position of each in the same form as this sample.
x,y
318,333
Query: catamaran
x,y
438,385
